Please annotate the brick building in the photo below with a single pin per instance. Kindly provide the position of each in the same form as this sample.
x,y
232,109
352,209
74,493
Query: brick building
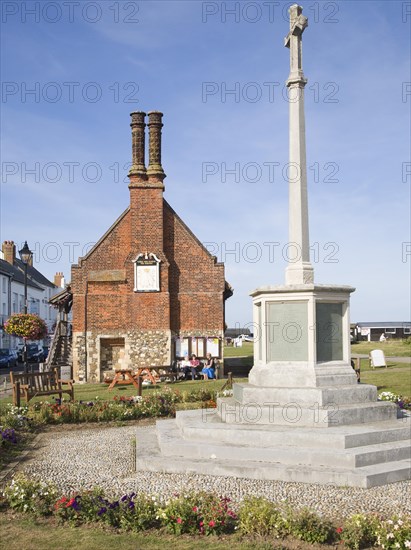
x,y
148,291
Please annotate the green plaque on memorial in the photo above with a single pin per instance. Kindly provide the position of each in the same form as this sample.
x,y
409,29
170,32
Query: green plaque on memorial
x,y
287,331
329,332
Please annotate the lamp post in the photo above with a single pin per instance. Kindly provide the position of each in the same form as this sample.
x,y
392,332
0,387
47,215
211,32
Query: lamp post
x,y
25,255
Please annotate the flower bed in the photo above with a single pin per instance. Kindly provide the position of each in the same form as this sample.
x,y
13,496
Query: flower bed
x,y
401,401
205,514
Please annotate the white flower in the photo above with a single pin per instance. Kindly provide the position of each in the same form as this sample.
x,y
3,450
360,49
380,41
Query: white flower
x,y
407,544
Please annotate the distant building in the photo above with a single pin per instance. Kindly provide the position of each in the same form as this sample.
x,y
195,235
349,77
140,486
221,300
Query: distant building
x,y
372,331
148,292
39,292
235,332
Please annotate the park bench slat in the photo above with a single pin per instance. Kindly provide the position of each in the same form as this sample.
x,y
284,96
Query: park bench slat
x,y
34,384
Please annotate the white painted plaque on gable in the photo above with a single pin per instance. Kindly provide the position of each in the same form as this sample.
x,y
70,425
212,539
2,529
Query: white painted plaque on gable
x,y
146,273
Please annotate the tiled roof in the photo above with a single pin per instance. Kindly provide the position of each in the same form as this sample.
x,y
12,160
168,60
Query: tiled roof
x,y
16,274
35,275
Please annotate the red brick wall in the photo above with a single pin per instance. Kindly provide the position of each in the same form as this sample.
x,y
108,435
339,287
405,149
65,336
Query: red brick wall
x,y
196,280
192,283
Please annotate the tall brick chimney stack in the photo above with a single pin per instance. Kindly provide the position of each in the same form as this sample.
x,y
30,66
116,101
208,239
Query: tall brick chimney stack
x,y
59,279
155,171
146,186
9,251
138,172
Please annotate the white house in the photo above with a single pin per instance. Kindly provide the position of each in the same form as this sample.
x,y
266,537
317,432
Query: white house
x,y
39,292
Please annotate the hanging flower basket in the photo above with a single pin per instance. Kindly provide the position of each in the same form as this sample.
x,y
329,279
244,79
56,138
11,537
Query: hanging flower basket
x,y
26,325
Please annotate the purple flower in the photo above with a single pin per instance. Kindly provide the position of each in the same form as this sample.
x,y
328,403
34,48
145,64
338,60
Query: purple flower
x,y
102,511
125,497
9,435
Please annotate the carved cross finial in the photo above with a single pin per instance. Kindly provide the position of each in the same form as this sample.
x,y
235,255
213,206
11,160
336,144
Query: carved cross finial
x,y
293,41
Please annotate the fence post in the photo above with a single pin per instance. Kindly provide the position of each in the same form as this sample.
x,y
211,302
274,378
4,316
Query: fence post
x,y
140,385
16,394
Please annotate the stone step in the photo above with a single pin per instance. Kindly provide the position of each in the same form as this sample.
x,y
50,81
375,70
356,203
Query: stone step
x,y
233,412
210,428
361,393
149,458
173,444
326,380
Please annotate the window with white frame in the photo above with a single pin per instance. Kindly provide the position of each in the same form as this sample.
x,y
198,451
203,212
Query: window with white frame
x,y
407,330
390,330
15,303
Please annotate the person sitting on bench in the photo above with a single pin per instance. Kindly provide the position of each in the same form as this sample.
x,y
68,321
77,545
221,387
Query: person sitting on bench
x,y
194,363
209,368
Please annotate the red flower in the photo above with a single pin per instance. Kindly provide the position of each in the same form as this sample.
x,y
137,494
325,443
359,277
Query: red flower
x,y
70,502
195,508
60,502
179,520
211,523
339,530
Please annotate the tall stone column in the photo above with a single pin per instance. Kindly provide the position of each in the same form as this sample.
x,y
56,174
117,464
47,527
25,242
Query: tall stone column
x,y
138,168
299,270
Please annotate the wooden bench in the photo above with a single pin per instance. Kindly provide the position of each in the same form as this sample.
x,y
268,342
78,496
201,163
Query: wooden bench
x,y
33,384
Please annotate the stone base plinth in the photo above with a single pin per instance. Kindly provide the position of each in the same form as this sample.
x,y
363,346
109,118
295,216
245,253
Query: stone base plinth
x,y
302,416
200,442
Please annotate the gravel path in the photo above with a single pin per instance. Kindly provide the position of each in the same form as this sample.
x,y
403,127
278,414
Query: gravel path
x,y
76,459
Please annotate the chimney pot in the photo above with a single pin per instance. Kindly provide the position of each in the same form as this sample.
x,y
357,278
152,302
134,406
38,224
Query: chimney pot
x,y
9,251
155,171
138,168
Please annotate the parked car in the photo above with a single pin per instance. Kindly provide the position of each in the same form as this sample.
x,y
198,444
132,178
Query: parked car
x,y
246,337
35,354
8,358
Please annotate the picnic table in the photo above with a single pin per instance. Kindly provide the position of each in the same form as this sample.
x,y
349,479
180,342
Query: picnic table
x,y
124,376
155,373
152,373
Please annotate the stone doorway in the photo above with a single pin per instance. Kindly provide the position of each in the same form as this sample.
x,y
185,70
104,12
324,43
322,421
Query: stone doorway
x,y
112,355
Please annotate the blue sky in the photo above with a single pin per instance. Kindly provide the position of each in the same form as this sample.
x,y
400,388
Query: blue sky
x,y
64,146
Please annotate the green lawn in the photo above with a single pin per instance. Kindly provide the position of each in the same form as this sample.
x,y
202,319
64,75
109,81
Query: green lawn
x,y
20,532
391,348
396,377
91,392
245,350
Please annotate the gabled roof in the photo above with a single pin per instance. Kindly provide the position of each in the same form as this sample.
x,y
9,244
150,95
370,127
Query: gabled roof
x,y
17,275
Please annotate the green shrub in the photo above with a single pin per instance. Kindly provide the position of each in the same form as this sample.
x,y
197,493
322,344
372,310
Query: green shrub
x,y
258,516
394,533
201,513
179,516
32,496
359,531
310,527
138,512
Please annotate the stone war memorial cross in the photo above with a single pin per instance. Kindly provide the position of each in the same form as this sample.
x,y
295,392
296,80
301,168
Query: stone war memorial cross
x,y
302,416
